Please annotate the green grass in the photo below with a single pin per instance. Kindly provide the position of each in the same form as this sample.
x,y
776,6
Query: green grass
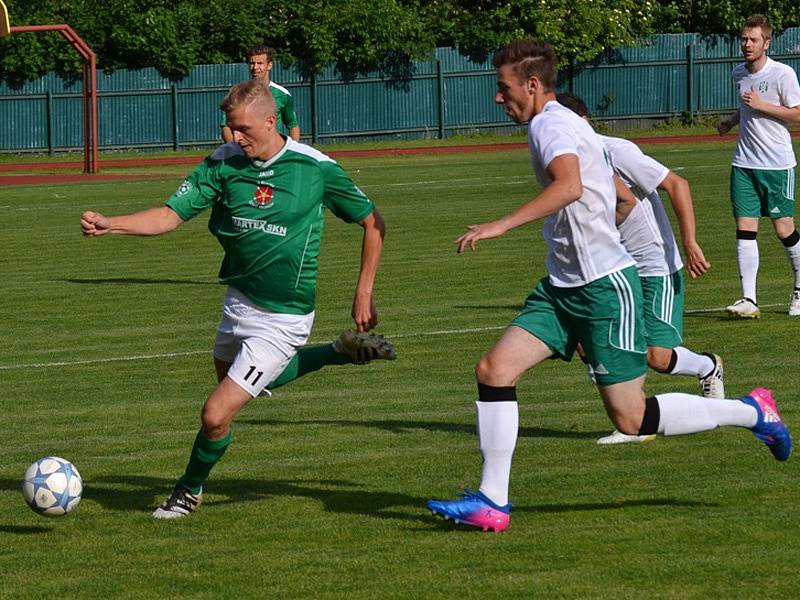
x,y
107,360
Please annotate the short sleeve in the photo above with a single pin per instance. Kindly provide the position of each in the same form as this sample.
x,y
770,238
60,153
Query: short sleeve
x,y
199,191
288,115
343,197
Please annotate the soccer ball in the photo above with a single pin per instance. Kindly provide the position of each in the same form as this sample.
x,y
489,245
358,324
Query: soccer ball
x,y
52,486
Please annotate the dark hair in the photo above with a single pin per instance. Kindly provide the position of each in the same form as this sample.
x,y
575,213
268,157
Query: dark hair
x,y
249,92
761,22
261,49
574,103
529,58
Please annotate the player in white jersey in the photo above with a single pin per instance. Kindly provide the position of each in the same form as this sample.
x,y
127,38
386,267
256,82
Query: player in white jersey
x,y
763,167
592,296
647,235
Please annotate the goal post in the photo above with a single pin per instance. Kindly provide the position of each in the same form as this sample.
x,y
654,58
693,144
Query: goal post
x,y
90,119
5,24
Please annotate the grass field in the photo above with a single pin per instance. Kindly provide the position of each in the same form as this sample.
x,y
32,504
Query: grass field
x,y
107,359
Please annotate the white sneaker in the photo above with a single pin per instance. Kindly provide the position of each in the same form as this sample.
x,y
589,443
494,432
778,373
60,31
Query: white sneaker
x,y
364,347
744,308
618,437
794,304
712,385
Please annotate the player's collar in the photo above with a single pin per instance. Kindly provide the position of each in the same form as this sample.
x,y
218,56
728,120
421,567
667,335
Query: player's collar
x,y
287,141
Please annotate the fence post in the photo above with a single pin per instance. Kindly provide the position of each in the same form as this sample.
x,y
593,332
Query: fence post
x,y
175,144
313,103
690,82
50,125
440,93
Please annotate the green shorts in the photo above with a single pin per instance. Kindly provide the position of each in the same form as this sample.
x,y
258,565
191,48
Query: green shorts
x,y
762,192
663,310
605,316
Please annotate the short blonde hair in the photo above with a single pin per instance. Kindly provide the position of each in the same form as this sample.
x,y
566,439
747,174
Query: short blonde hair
x,y
252,92
760,22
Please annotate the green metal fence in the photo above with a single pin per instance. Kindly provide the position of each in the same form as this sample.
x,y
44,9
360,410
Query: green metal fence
x,y
667,76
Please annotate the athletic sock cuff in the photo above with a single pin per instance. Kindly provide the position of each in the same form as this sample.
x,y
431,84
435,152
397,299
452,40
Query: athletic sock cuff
x,y
206,443
741,234
673,361
791,240
490,393
652,416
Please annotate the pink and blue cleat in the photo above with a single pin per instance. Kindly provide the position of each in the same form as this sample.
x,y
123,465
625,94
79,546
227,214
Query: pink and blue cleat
x,y
769,428
473,509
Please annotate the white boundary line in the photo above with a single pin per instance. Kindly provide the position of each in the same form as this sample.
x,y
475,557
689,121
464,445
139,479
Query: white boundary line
x,y
97,361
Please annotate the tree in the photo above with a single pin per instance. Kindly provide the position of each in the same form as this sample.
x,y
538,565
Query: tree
x,y
721,16
583,29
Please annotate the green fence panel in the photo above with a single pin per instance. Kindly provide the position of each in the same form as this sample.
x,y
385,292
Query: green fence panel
x,y
664,76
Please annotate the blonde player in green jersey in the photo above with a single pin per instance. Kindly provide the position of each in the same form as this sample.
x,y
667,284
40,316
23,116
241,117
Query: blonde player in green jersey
x,y
763,166
259,61
592,296
267,195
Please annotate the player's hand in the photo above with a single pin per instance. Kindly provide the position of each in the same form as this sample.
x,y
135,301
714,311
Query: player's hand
x,y
364,313
752,99
93,224
724,127
479,232
696,263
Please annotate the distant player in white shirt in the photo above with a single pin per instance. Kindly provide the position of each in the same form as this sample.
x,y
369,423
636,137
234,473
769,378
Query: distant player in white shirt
x,y
764,165
647,235
592,296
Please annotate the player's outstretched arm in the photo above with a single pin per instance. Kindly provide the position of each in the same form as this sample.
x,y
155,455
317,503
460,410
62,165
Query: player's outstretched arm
x,y
680,197
364,313
153,221
564,188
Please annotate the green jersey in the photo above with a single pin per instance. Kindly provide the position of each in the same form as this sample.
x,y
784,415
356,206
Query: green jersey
x,y
268,218
284,108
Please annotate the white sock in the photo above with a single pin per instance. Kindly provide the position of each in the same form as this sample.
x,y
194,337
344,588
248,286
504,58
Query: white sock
x,y
498,425
691,363
685,413
747,258
793,252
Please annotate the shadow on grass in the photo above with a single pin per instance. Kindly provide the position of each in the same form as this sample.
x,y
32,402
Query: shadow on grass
x,y
140,493
566,507
139,281
621,504
24,529
398,426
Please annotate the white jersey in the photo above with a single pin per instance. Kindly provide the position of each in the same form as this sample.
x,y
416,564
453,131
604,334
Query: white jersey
x,y
583,243
764,141
647,232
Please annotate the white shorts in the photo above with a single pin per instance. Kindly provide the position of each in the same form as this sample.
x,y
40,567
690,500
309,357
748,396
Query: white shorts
x,y
259,343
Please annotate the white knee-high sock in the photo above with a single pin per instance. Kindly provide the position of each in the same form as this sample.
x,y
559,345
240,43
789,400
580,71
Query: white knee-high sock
x,y
498,426
793,253
747,259
685,413
691,363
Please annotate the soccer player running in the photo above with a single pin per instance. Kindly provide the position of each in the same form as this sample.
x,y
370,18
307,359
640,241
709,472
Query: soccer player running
x,y
259,61
763,166
592,296
646,233
267,196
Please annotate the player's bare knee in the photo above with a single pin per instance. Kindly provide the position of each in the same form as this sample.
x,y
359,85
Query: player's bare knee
x,y
215,422
490,372
627,424
659,359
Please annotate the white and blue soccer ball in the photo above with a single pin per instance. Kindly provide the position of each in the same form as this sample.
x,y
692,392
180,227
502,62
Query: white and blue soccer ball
x,y
52,486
